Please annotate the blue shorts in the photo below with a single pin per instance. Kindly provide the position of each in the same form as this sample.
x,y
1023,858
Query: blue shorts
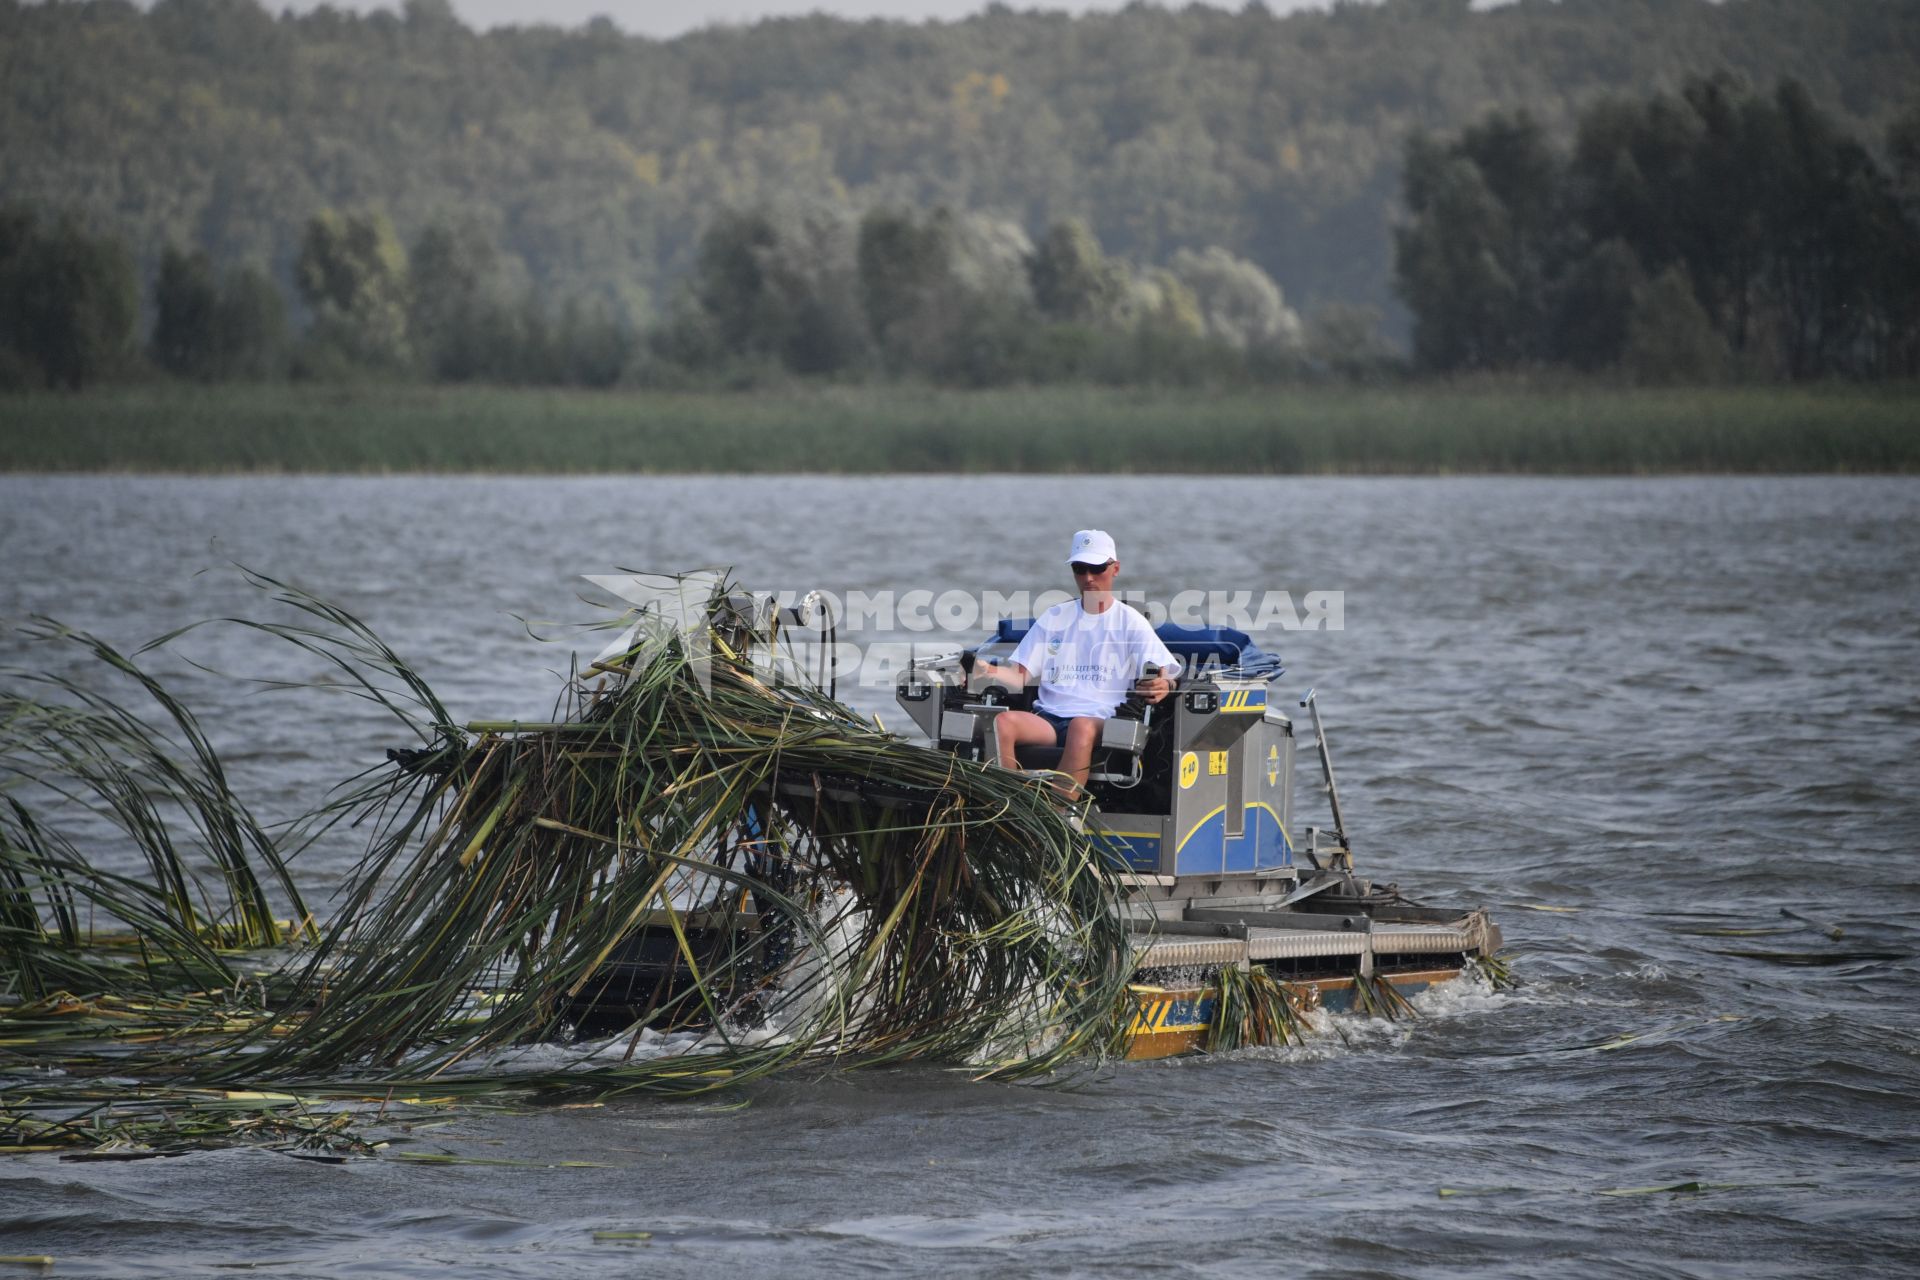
x,y
1059,723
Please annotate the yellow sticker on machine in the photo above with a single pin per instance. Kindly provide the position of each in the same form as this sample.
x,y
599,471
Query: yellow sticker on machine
x,y
1161,1012
1216,764
1244,702
1189,770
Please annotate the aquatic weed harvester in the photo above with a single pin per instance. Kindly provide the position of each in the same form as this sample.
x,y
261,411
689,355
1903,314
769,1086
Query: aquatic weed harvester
x,y
698,871
1193,800
1229,938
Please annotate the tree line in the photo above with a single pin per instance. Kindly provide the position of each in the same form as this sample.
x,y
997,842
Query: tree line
x,y
1709,233
592,161
775,292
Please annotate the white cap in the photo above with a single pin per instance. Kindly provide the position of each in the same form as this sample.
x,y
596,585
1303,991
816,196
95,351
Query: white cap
x,y
1092,546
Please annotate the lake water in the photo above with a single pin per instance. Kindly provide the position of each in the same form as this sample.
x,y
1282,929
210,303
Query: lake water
x,y
1619,712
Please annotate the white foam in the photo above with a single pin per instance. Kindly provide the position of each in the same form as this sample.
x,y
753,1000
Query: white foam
x,y
1469,994
611,1051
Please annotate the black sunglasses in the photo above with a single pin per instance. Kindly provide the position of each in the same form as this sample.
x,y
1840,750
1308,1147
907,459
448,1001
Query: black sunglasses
x,y
1091,569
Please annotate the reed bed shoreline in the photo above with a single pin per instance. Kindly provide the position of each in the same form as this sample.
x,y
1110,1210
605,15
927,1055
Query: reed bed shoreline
x,y
1415,429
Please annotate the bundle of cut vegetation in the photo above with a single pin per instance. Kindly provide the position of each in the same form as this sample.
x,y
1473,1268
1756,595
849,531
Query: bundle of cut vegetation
x,y
814,888
153,786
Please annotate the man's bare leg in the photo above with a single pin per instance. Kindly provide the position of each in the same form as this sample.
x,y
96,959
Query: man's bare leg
x,y
1019,729
1076,758
1013,729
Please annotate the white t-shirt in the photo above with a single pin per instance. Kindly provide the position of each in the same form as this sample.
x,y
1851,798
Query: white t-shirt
x,y
1085,662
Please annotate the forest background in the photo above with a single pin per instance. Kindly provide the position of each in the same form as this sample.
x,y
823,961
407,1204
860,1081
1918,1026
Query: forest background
x,y
1639,191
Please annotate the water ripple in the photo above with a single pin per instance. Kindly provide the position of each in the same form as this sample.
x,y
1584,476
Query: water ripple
x,y
1656,707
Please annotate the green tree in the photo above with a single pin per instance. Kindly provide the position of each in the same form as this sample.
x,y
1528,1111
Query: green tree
x,y
1670,337
593,344
1721,237
537,357
1447,264
1792,237
1830,209
1345,340
905,266
1631,177
1165,302
1903,147
1169,344
451,273
1074,282
737,286
250,326
989,340
1238,302
1476,260
1593,303
17,227
817,269
185,300
1898,275
784,290
352,274
74,301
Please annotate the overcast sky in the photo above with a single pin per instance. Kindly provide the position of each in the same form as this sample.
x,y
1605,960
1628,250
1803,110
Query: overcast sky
x,y
665,18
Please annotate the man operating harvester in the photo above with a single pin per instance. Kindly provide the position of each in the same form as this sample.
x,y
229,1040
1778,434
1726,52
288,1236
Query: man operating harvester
x,y
1084,655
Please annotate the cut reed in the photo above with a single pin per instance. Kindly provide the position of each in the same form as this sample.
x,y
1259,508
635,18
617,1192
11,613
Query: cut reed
x,y
831,892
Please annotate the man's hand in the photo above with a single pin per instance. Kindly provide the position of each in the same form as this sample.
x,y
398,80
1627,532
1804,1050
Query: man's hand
x,y
979,672
1154,689
983,674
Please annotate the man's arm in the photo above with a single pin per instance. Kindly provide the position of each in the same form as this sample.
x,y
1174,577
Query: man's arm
x,y
981,672
1159,662
1154,688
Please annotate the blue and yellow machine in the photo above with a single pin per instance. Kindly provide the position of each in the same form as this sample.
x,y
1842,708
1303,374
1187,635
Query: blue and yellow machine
x,y
1194,800
1199,785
